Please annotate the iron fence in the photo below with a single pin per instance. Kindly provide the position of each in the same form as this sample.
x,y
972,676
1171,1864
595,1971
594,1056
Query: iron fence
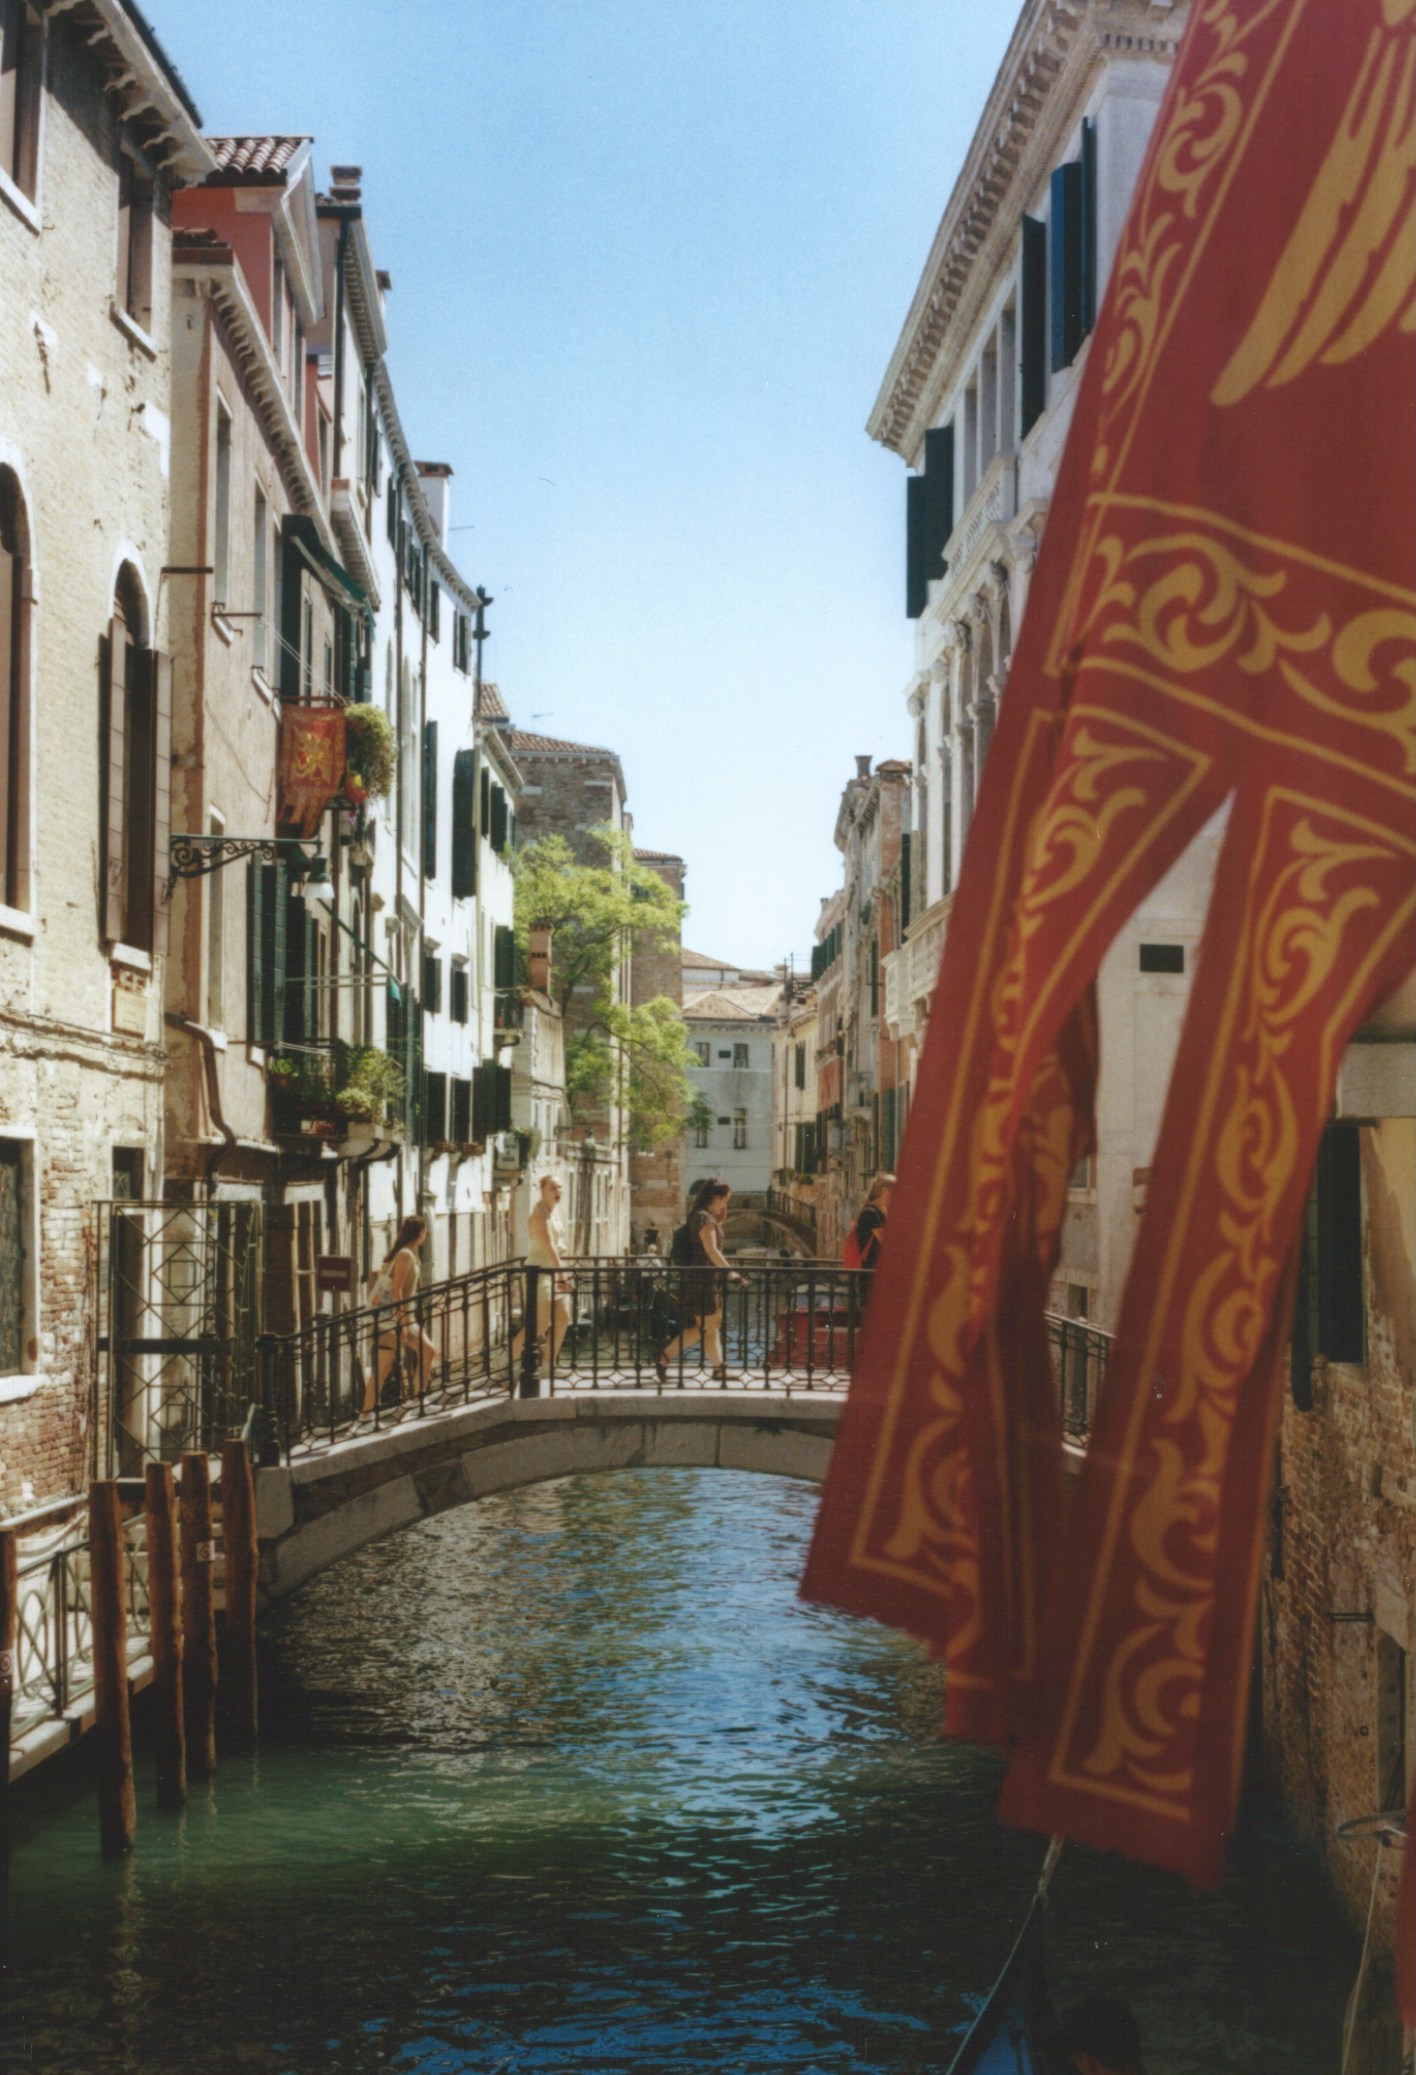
x,y
603,1324
1079,1353
54,1619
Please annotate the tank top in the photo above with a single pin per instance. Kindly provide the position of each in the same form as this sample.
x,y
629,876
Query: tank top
x,y
538,1254
381,1288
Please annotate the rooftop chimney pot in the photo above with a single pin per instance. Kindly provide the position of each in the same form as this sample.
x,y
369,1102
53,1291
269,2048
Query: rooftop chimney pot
x,y
862,767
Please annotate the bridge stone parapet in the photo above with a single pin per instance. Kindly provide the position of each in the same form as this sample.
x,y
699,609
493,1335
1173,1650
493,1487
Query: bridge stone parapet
x,y
325,1504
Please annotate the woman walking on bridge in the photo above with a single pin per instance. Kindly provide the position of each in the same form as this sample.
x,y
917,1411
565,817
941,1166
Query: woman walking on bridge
x,y
701,1294
545,1249
396,1332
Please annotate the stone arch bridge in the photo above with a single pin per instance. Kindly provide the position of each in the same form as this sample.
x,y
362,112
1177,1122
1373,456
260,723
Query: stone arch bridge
x,y
325,1503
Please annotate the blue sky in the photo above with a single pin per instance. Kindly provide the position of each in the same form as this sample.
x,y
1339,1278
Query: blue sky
x,y
650,259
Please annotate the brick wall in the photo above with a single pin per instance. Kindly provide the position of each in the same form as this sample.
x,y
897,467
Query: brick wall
x,y
1344,1544
85,415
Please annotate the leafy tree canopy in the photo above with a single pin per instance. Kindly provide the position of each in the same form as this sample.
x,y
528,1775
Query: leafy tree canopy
x,y
599,913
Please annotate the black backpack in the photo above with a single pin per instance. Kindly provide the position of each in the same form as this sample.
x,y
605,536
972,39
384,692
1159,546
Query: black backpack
x,y
681,1248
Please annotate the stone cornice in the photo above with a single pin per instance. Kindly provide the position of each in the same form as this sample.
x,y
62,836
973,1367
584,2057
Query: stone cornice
x,y
1032,103
215,273
144,83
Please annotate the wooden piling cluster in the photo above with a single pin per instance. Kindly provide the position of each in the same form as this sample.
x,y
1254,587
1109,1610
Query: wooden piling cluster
x,y
183,1632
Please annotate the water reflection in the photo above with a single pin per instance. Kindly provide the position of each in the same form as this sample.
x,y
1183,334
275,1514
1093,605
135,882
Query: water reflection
x,y
570,1781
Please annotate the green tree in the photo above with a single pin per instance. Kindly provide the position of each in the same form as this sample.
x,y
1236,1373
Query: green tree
x,y
599,914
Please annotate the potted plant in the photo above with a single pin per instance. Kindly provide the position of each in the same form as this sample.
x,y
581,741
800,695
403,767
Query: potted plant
x,y
370,752
304,1098
370,1085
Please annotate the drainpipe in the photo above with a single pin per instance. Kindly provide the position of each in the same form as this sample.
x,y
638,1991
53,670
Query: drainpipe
x,y
422,875
340,259
399,782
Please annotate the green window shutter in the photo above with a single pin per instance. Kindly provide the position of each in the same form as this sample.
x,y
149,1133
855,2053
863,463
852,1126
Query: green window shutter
x,y
460,994
499,820
503,957
1341,1300
430,800
481,1103
432,984
501,1113
1068,329
464,830
295,1026
255,949
273,917
434,1108
1088,226
486,801
413,1069
161,667
1032,331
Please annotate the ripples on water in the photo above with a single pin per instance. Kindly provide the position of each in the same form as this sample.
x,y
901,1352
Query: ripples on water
x,y
569,1781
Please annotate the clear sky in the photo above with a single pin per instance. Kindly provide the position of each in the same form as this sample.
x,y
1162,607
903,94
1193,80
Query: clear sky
x,y
650,260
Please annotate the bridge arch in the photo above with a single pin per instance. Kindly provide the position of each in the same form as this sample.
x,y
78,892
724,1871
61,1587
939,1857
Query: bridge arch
x,y
322,1507
776,1221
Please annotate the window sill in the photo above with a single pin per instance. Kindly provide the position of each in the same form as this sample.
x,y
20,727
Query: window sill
x,y
129,955
262,685
256,1055
16,922
20,202
221,626
132,330
13,1389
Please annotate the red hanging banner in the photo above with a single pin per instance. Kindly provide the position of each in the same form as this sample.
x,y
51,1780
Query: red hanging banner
x,y
312,757
1222,613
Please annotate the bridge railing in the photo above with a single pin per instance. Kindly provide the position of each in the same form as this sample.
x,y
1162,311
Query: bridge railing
x,y
604,1324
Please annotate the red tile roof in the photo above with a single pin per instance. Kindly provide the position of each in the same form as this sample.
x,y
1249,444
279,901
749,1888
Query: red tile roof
x,y
554,745
490,704
254,158
658,857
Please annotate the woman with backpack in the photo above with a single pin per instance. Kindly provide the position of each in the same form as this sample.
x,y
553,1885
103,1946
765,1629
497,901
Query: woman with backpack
x,y
697,1250
392,1286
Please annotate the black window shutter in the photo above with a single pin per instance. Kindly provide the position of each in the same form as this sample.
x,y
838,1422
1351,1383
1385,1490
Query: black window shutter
x,y
432,984
434,1108
464,829
460,994
486,802
270,966
1341,1335
1066,241
481,1102
461,1111
1088,226
504,957
939,476
499,820
501,1098
413,1069
1033,328
294,1022
430,800
916,539
393,510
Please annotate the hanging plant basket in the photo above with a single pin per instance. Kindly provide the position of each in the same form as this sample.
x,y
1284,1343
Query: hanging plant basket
x,y
371,754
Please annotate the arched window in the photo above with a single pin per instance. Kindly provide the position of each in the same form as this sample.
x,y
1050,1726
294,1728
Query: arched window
x,y
16,598
137,774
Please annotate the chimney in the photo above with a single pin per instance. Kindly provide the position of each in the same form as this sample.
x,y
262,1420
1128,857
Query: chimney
x,y
538,960
346,183
435,477
862,767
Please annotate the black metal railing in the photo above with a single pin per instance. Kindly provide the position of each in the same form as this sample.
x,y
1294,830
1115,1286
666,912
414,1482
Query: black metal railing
x,y
53,1670
603,1324
1079,1355
796,1213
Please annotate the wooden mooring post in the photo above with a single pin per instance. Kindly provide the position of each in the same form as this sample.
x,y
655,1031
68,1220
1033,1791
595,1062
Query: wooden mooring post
x,y
198,1616
117,1805
241,1557
165,1618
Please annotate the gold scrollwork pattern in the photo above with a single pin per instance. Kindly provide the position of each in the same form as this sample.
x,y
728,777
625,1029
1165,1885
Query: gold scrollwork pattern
x,y
1205,127
1290,966
1192,596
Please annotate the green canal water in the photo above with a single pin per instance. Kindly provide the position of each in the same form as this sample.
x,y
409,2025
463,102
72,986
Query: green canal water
x,y
571,1782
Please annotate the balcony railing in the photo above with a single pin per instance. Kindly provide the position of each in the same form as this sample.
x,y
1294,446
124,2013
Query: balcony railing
x,y
508,1009
1079,1356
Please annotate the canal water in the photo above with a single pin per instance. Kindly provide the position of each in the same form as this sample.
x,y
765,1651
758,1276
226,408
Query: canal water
x,y
569,1781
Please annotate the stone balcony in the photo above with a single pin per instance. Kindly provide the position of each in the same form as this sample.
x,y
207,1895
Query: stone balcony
x,y
910,972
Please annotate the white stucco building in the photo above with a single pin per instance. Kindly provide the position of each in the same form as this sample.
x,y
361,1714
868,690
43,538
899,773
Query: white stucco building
x,y
730,1029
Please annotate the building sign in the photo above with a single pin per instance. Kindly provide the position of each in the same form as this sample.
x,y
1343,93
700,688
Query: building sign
x,y
334,1272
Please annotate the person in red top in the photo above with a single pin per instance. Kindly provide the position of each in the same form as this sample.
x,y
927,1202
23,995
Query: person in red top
x,y
869,1227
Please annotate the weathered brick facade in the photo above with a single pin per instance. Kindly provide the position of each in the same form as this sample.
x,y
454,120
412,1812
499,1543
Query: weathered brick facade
x,y
85,417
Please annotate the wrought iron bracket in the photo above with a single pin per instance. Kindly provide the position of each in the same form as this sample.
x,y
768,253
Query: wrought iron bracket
x,y
192,857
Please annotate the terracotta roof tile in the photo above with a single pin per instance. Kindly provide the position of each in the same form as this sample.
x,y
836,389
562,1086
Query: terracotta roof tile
x,y
254,158
490,704
553,744
732,1005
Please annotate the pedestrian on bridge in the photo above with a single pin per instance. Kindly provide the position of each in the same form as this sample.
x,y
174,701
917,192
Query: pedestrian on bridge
x,y
701,1292
397,1332
545,1249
